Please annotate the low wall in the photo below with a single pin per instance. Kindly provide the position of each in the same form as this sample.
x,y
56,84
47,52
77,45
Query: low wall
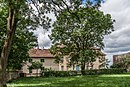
x,y
12,75
32,74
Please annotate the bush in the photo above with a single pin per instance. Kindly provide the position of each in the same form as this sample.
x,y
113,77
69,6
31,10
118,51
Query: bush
x,y
105,71
86,72
22,74
47,73
117,65
59,73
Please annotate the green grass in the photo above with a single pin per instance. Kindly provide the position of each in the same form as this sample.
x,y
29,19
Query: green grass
x,y
120,80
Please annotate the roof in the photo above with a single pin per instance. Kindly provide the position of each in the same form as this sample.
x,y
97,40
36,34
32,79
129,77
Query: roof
x,y
45,53
40,53
101,53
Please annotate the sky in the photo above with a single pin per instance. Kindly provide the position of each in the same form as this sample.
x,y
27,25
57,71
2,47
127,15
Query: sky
x,y
117,42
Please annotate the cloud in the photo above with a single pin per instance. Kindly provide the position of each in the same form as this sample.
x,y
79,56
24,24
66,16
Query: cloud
x,y
42,34
43,39
118,41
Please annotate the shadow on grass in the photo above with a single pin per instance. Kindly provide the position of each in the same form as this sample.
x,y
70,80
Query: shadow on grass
x,y
81,81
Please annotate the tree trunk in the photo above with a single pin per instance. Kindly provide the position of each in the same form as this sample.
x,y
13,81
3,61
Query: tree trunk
x,y
83,68
87,67
37,72
73,66
91,64
11,27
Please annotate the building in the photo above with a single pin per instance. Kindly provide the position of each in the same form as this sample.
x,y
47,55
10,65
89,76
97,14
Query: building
x,y
40,55
122,58
95,65
48,60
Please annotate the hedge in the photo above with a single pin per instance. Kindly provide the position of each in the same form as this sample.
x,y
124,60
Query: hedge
x,y
59,73
105,71
86,72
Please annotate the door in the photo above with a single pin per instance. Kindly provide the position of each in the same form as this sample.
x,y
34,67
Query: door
x,y
77,68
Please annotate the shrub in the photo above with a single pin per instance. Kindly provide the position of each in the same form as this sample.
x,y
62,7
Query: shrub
x,y
105,71
86,72
59,73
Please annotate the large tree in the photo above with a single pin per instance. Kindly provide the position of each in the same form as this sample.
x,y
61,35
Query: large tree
x,y
28,9
20,14
78,31
23,41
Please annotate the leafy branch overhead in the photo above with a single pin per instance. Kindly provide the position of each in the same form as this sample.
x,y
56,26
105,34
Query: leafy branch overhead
x,y
22,16
23,40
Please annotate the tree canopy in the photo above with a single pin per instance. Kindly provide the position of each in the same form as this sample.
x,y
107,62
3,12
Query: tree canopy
x,y
18,15
36,65
33,11
23,41
78,35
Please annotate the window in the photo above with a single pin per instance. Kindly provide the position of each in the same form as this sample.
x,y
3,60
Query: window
x,y
42,60
62,68
42,68
30,60
61,60
67,67
77,68
30,70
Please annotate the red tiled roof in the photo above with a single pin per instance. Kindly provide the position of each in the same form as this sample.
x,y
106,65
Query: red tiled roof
x,y
37,53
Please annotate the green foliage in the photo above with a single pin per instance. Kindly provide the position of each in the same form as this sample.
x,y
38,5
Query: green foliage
x,y
36,65
105,64
117,65
105,71
23,41
113,80
59,73
21,14
23,38
77,32
124,63
86,72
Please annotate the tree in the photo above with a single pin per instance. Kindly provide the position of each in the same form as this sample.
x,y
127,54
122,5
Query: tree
x,y
123,63
36,65
78,35
17,9
23,41
126,62
105,64
11,26
117,65
15,12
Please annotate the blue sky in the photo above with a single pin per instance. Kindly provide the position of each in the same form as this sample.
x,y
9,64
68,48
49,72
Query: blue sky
x,y
84,1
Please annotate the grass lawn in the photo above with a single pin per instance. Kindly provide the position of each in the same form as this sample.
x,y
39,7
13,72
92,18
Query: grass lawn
x,y
120,80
